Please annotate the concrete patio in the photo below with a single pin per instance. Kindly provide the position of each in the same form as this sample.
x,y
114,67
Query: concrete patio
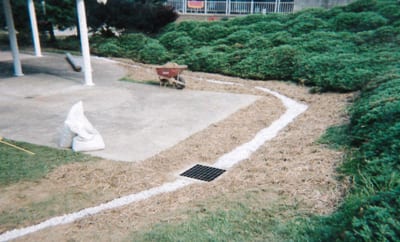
x,y
136,121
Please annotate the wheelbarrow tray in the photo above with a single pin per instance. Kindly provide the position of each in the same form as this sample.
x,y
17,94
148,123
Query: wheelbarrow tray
x,y
170,72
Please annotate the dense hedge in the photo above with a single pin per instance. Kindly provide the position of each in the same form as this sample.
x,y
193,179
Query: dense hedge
x,y
334,50
356,47
371,211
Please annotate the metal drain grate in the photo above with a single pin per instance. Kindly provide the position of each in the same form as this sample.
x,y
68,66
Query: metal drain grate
x,y
204,173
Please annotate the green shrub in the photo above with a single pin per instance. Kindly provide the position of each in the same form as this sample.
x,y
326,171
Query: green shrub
x,y
359,218
238,37
361,6
275,63
266,27
259,42
280,38
168,39
110,48
337,72
377,219
385,34
377,107
280,63
248,64
131,44
321,13
390,11
256,18
247,20
206,34
69,43
153,52
305,23
186,26
356,22
324,42
181,45
206,59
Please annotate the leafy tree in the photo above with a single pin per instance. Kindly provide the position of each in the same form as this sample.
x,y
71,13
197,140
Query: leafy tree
x,y
148,16
55,13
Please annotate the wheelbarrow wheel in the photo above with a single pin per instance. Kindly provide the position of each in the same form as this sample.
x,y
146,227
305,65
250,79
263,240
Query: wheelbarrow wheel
x,y
180,83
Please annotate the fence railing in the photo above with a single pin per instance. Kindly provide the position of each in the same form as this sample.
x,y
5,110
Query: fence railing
x,y
230,7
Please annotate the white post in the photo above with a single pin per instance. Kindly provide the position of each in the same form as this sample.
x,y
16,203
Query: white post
x,y
205,6
252,7
87,68
13,38
277,6
34,28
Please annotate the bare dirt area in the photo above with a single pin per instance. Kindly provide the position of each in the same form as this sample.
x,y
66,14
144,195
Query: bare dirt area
x,y
291,169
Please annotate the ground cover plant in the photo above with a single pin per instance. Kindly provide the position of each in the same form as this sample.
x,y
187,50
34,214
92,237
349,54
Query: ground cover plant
x,y
350,48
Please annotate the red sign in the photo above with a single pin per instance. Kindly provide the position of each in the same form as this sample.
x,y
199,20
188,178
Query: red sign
x,y
196,4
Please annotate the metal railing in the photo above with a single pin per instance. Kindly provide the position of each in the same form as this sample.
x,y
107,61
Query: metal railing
x,y
230,7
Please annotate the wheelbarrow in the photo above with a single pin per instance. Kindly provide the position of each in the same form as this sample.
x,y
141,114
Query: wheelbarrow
x,y
169,74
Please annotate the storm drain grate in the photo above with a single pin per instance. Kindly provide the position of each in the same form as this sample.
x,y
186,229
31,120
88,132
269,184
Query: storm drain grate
x,y
204,173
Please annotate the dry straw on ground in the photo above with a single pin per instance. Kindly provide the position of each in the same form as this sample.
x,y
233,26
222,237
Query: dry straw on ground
x,y
292,168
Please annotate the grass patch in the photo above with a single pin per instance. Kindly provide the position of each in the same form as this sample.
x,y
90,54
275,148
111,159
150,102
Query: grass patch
x,y
54,205
18,166
236,221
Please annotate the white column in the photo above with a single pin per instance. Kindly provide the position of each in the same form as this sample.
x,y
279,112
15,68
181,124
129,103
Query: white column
x,y
34,28
87,68
252,7
13,38
277,7
186,5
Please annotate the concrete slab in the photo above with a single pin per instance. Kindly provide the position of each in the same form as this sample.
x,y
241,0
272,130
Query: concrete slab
x,y
136,121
